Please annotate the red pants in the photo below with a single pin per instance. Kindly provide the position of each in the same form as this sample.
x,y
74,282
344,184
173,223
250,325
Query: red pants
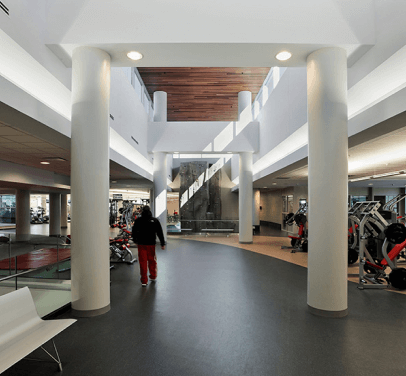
x,y
147,260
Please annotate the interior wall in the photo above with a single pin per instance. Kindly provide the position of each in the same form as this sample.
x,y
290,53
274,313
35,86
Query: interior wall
x,y
172,206
271,203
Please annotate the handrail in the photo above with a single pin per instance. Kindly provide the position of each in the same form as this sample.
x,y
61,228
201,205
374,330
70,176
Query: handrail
x,y
18,274
30,270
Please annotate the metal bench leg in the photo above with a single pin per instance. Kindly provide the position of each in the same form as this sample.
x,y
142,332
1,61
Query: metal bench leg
x,y
57,359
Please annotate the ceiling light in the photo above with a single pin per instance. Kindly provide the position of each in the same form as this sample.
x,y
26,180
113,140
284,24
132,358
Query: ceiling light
x,y
371,184
44,162
134,55
265,187
229,152
283,55
175,152
273,183
114,181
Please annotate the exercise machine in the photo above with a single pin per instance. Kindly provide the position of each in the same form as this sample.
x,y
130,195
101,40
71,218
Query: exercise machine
x,y
379,248
298,242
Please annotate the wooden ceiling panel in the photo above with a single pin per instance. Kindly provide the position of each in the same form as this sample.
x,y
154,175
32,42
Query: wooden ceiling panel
x,y
203,94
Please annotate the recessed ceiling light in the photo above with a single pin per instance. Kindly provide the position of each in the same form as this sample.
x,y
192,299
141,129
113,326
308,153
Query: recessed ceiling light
x,y
273,183
371,184
134,55
265,187
175,152
229,152
283,55
43,162
114,181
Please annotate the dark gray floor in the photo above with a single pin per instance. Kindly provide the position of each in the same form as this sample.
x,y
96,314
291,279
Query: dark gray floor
x,y
219,310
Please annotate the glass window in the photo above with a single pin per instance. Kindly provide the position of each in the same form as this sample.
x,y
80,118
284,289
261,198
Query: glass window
x,y
7,208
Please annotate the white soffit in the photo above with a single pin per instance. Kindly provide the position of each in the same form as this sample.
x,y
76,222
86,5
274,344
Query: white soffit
x,y
211,21
20,68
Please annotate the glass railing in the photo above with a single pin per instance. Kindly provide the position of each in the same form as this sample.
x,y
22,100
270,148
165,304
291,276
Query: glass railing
x,y
141,90
209,226
270,83
42,264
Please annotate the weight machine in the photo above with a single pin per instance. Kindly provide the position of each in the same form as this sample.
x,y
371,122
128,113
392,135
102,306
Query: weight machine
x,y
299,242
380,243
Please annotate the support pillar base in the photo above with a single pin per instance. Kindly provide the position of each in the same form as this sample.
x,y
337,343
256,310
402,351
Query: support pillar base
x,y
90,313
331,314
246,242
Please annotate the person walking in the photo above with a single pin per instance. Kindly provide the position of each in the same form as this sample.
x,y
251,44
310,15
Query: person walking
x,y
144,232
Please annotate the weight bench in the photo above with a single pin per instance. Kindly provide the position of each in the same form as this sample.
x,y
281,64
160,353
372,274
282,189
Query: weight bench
x,y
22,331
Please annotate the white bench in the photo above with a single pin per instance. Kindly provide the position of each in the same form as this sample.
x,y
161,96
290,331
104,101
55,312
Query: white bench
x,y
21,329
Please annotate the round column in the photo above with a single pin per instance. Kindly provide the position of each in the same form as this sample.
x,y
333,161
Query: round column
x,y
64,210
22,215
245,198
328,182
160,106
90,182
160,201
54,214
244,105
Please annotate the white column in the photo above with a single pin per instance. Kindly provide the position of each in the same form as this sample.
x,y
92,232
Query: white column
x,y
22,215
160,203
64,210
256,197
54,214
90,181
244,106
328,182
245,198
160,106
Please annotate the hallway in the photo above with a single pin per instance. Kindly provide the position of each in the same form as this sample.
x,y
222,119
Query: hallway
x,y
220,310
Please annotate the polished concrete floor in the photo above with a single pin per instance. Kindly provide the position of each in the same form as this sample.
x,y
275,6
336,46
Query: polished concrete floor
x,y
220,310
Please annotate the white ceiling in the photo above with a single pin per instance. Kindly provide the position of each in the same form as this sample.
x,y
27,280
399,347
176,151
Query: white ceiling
x,y
226,33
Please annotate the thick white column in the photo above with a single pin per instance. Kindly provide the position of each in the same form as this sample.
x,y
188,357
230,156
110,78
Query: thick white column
x,y
328,182
64,210
54,214
256,201
160,201
160,106
90,181
245,198
22,215
244,106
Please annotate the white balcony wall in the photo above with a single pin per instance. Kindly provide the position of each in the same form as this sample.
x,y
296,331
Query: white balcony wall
x,y
285,110
130,118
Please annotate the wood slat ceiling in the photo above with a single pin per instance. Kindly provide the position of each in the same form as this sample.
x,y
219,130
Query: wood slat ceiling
x,y
203,94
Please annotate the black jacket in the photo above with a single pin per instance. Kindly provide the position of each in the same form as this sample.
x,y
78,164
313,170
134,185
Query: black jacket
x,y
145,230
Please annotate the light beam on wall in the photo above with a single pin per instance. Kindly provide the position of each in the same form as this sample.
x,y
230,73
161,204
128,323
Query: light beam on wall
x,y
160,203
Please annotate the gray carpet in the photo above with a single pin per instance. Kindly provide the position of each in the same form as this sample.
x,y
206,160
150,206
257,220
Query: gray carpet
x,y
218,310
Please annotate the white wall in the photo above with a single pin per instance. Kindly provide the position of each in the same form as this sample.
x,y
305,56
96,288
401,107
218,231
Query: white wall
x,y
285,111
390,29
130,118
